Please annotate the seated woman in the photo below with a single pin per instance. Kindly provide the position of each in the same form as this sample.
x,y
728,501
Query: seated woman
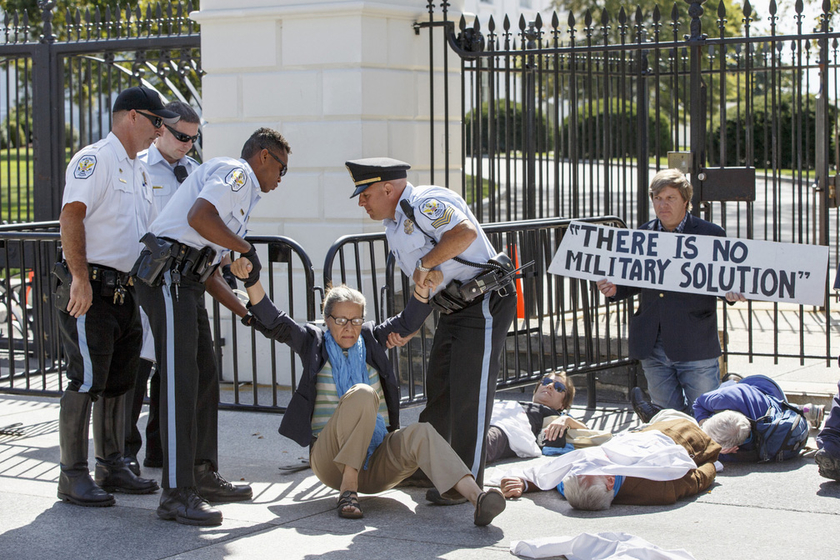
x,y
529,429
346,388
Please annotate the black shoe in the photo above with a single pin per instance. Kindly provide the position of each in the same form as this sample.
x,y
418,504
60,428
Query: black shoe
x,y
132,464
152,463
642,405
184,505
828,464
116,477
81,490
450,498
213,488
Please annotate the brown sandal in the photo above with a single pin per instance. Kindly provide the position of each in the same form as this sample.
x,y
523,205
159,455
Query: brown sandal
x,y
349,498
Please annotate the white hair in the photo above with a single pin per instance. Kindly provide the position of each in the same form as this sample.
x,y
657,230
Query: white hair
x,y
728,428
591,497
340,294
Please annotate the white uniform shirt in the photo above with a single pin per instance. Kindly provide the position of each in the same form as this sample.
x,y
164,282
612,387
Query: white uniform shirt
x,y
162,176
437,210
117,195
228,184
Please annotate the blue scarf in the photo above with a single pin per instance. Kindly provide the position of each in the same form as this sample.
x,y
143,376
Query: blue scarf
x,y
348,370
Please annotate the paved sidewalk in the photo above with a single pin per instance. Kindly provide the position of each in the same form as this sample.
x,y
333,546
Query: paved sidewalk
x,y
769,511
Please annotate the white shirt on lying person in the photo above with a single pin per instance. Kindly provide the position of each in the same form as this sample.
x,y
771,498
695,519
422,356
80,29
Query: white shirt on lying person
x,y
651,455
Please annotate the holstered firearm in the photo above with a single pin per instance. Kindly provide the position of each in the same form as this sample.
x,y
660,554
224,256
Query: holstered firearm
x,y
153,261
61,286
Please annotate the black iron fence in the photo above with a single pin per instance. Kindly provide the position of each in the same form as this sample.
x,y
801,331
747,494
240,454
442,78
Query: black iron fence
x,y
571,118
59,75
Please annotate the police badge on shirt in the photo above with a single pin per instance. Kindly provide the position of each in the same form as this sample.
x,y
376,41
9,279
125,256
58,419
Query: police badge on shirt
x,y
236,179
85,167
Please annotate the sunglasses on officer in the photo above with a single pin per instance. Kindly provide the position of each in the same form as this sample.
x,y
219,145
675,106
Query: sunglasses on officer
x,y
341,321
157,121
181,137
559,386
283,170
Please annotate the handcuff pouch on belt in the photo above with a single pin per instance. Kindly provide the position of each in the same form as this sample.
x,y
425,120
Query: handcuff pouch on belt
x,y
161,255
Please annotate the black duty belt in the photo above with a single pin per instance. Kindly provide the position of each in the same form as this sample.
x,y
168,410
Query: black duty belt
x,y
112,282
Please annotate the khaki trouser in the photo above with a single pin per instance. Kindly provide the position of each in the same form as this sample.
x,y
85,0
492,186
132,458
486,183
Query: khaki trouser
x,y
346,437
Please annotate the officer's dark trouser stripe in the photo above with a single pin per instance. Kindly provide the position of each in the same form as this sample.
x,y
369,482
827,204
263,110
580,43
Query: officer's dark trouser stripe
x,y
483,387
171,432
81,332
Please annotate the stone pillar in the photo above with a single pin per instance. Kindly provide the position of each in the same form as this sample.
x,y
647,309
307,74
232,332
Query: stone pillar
x,y
340,80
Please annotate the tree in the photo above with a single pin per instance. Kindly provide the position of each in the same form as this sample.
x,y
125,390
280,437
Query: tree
x,y
709,19
60,11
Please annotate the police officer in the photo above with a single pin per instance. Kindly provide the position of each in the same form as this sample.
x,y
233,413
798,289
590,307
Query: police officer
x,y
107,199
207,217
168,165
436,240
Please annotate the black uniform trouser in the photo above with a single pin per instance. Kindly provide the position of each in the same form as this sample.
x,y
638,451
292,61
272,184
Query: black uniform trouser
x,y
462,374
133,438
103,345
189,383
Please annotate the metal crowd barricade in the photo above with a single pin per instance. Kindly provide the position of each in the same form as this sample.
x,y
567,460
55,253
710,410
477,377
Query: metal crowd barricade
x,y
562,323
31,354
255,362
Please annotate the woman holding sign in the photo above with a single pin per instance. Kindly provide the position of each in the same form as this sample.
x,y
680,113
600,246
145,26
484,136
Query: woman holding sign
x,y
673,334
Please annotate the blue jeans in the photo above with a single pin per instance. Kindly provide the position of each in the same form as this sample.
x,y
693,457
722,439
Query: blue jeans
x,y
677,384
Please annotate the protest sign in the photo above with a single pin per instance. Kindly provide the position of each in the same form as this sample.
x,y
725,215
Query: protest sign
x,y
700,264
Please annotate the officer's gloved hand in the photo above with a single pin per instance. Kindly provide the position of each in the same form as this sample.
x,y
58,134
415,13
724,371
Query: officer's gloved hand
x,y
254,276
229,277
279,333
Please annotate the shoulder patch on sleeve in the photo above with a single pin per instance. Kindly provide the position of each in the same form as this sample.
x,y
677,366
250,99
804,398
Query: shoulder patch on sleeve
x,y
236,179
437,211
85,167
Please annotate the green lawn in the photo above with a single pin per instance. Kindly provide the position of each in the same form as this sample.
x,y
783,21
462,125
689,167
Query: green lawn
x,y
16,180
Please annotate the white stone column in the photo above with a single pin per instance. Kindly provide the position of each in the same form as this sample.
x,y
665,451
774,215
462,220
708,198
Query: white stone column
x,y
340,80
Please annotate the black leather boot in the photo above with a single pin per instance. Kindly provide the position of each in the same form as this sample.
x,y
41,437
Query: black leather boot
x,y
643,407
112,474
74,482
214,488
186,506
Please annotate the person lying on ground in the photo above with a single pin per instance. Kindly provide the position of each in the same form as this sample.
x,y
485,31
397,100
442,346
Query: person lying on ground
x,y
669,459
743,417
531,429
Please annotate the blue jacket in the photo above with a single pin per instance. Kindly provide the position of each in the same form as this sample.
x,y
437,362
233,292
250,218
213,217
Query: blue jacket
x,y
745,397
307,341
686,322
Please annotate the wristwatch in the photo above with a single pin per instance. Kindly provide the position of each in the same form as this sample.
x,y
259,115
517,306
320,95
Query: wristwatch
x,y
419,266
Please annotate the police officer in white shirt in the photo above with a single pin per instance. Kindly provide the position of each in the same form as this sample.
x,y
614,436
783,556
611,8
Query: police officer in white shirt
x,y
206,218
168,165
438,242
107,200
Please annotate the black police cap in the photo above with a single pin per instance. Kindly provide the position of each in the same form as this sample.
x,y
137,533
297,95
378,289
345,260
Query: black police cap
x,y
144,99
368,171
